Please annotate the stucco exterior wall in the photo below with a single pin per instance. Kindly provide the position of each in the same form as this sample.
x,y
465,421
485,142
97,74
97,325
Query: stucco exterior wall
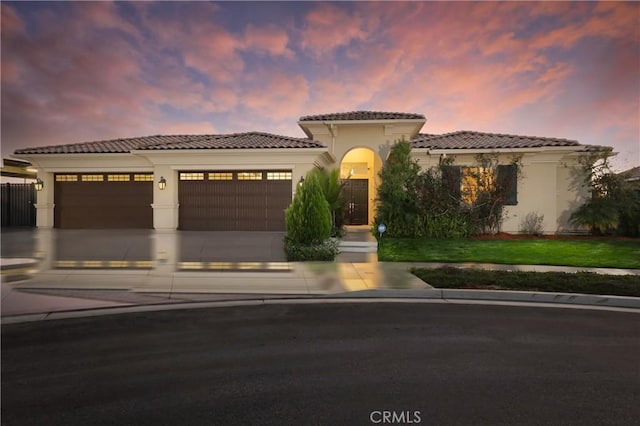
x,y
167,164
546,185
365,142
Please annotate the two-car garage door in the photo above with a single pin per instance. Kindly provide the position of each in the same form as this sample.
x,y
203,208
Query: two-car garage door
x,y
247,200
252,200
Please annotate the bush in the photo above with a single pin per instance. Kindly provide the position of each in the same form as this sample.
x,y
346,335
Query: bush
x,y
308,218
331,186
397,204
615,202
532,224
599,214
326,250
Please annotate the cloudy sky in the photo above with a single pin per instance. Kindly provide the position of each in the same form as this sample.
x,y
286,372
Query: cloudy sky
x,y
81,71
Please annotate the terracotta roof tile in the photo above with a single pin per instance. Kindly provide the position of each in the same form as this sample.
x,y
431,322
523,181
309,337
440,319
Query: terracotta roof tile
x,y
363,115
249,140
477,140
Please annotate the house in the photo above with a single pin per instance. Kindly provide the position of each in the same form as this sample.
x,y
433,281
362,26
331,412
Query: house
x,y
244,181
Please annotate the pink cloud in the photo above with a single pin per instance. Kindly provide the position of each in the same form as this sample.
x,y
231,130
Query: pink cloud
x,y
270,39
276,95
329,26
11,22
181,128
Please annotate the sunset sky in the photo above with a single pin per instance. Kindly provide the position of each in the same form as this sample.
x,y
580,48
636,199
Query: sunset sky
x,y
82,71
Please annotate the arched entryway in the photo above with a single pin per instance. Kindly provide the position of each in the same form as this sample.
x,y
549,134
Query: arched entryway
x,y
359,170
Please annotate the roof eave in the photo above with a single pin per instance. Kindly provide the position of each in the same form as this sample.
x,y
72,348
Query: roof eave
x,y
378,121
188,151
436,151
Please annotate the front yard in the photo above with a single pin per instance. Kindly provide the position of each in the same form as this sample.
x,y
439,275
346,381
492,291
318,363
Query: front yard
x,y
585,252
581,282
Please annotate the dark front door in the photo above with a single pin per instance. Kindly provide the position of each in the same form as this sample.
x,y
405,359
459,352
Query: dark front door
x,y
356,195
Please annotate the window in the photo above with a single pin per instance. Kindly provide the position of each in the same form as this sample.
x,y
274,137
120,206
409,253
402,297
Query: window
x,y
475,180
250,176
465,183
221,176
118,178
66,178
279,176
92,178
192,176
143,178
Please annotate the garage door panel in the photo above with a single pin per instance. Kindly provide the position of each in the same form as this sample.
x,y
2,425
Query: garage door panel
x,y
103,204
246,200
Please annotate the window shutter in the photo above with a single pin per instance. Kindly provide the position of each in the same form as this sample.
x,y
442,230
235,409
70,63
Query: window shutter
x,y
508,183
451,178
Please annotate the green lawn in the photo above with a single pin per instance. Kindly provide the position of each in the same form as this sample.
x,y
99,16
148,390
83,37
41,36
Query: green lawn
x,y
606,253
581,282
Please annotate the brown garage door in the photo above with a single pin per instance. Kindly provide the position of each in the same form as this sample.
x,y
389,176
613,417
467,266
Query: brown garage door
x,y
103,200
251,200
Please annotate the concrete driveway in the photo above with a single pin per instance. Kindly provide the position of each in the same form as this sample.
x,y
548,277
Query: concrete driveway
x,y
138,245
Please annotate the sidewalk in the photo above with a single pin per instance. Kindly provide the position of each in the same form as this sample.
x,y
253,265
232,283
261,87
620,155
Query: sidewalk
x,y
85,290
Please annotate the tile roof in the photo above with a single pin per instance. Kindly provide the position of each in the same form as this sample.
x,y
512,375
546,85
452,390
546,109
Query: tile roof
x,y
363,115
248,140
477,140
631,174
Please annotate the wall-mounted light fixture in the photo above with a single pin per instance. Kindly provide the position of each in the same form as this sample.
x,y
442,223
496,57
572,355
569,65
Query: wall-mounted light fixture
x,y
39,184
301,181
162,184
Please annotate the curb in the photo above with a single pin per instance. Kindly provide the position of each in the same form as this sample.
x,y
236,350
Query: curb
x,y
513,298
502,296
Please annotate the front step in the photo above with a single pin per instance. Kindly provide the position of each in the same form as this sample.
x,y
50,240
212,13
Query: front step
x,y
358,246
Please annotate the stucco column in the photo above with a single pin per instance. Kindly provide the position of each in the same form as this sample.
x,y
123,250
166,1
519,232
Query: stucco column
x,y
165,201
299,171
45,248
44,201
166,252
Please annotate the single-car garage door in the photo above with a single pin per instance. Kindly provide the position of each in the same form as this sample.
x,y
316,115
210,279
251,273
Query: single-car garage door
x,y
103,200
246,200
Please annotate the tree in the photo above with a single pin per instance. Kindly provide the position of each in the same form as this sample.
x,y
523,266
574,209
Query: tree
x,y
308,218
615,203
397,201
331,188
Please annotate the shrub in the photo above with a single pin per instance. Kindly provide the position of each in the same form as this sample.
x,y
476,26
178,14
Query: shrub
x,y
397,206
599,214
308,218
331,186
532,224
615,202
324,251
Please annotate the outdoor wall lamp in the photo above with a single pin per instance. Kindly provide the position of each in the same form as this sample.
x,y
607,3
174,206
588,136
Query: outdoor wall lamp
x,y
162,184
39,184
301,181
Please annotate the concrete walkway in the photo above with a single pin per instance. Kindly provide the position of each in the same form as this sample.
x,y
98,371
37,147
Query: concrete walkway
x,y
132,269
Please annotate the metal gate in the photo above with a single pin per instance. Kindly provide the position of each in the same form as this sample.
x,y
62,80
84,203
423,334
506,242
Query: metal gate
x,y
18,204
236,200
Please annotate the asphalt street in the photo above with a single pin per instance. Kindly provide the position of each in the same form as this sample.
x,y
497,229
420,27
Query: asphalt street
x,y
333,364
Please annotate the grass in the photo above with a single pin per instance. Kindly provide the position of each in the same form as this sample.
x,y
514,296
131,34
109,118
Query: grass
x,y
581,282
605,253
